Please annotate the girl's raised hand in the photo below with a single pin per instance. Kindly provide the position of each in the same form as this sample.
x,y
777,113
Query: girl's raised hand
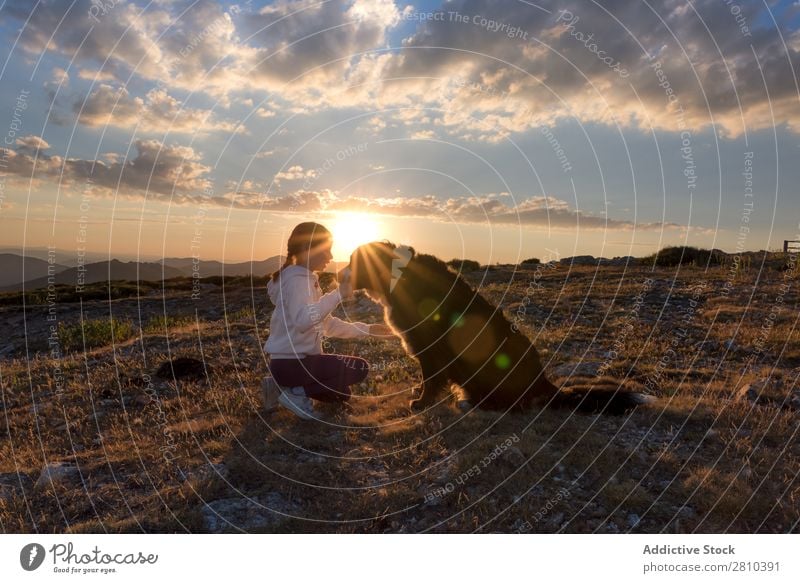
x,y
380,330
346,288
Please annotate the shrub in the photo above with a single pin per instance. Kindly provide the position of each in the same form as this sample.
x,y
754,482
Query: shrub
x,y
93,333
464,265
683,255
532,261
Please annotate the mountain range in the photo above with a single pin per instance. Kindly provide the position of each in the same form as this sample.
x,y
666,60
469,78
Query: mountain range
x,y
33,271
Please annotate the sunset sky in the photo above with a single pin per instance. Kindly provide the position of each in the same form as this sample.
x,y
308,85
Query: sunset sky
x,y
491,130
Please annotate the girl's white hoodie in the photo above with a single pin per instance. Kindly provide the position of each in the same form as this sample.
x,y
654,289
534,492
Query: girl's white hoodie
x,y
302,315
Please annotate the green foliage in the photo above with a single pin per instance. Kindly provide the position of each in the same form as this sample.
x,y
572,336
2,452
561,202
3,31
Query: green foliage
x,y
245,314
160,324
93,333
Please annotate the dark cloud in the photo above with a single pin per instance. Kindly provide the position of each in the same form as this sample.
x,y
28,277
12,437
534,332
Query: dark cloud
x,y
555,70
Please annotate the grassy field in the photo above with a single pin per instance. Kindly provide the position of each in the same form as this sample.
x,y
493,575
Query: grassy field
x,y
131,452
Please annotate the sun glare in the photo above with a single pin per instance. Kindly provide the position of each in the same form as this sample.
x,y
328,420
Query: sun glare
x,y
351,230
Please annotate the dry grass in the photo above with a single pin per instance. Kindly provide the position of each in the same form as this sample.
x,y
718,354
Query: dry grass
x,y
698,461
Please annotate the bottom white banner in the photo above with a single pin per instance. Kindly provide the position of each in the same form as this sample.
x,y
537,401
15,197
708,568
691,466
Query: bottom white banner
x,y
352,558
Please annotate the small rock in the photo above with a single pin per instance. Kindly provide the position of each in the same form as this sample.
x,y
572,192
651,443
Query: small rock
x,y
556,519
142,399
205,472
234,514
633,520
581,369
514,455
12,484
57,473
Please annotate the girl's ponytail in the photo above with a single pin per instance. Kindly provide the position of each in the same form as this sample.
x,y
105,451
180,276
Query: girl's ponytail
x,y
304,236
276,274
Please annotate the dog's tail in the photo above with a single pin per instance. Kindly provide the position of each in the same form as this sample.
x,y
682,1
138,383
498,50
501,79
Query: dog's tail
x,y
593,399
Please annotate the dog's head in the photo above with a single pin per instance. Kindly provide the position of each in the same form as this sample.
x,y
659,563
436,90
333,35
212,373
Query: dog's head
x,y
377,267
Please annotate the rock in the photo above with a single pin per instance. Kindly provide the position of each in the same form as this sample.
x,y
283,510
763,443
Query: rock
x,y
556,520
235,514
585,368
205,472
142,399
633,520
767,391
13,484
515,456
684,512
57,473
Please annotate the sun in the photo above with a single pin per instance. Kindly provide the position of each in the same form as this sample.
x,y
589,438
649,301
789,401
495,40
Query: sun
x,y
351,230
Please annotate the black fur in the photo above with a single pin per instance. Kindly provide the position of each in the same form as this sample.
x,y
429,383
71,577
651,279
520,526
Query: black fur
x,y
183,367
459,337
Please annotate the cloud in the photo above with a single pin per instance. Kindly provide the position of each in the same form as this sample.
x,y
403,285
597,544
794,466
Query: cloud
x,y
597,64
157,111
540,211
500,68
124,36
294,173
160,171
314,39
174,173
30,144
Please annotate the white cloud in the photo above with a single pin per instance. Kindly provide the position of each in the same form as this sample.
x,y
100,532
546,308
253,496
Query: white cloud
x,y
157,111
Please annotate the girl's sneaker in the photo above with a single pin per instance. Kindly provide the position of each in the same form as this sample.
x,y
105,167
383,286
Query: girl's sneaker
x,y
270,391
295,400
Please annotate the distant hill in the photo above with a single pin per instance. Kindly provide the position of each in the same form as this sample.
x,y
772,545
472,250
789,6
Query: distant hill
x,y
106,271
186,265
15,269
69,257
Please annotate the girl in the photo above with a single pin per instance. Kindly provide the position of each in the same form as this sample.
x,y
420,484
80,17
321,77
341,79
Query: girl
x,y
300,371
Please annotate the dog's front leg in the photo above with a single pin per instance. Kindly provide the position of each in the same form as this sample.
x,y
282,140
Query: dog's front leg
x,y
434,379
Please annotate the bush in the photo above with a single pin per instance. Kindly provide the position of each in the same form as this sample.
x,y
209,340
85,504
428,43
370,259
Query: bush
x,y
464,265
93,333
674,256
532,261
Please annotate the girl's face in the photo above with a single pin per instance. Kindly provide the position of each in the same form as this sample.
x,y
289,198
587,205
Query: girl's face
x,y
317,258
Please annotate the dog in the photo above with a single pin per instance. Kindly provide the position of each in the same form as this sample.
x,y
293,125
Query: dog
x,y
459,337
